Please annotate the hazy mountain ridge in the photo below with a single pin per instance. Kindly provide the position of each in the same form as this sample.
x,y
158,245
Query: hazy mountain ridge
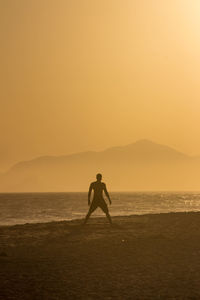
x,y
137,166
43,160
144,149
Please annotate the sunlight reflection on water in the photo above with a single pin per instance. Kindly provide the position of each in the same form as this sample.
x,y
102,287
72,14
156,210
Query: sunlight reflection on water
x,y
45,207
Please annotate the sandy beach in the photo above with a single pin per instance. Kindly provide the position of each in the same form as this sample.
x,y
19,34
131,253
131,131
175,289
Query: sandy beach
x,y
140,257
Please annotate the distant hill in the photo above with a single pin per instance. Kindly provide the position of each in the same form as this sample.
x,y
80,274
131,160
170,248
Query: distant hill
x,y
143,165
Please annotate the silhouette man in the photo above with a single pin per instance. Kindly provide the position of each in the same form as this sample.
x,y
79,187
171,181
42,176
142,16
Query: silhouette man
x,y
98,201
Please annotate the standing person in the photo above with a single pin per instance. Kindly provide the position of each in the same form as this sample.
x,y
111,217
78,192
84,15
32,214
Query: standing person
x,y
98,201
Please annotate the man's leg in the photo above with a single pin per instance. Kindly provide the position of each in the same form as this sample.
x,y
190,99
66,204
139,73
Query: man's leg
x,y
91,210
87,217
104,207
109,217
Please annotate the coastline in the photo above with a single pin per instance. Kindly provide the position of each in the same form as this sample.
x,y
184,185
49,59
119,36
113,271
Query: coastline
x,y
152,256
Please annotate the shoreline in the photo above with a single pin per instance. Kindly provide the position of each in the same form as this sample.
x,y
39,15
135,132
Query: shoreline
x,y
150,256
99,217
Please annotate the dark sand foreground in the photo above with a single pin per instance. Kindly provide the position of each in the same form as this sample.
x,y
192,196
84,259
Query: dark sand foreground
x,y
141,257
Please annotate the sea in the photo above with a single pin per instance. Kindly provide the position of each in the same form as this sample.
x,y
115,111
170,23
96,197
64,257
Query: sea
x,y
22,208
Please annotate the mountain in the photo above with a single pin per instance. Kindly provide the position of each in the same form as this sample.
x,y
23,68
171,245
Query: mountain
x,y
143,165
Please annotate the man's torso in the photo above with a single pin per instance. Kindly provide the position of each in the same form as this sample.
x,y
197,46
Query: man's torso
x,y
98,188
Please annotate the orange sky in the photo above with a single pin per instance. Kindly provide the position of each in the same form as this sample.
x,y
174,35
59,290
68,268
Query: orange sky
x,y
86,75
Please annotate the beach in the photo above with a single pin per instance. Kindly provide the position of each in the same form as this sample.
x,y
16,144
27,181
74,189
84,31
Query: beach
x,y
154,256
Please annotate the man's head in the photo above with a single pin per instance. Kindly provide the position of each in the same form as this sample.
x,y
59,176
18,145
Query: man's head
x,y
98,177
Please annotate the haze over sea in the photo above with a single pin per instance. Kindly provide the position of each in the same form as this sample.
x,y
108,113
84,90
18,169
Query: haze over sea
x,y
21,208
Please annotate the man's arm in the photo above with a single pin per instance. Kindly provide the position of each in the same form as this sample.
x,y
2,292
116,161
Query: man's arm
x,y
89,193
106,192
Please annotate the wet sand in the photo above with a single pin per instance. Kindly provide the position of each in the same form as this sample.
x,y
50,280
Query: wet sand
x,y
140,257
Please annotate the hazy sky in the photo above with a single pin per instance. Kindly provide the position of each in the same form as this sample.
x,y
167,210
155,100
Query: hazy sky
x,y
81,75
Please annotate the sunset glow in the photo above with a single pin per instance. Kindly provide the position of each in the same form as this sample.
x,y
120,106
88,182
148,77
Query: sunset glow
x,y
111,72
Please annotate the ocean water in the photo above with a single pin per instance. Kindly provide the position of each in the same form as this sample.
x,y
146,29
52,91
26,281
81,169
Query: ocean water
x,y
21,208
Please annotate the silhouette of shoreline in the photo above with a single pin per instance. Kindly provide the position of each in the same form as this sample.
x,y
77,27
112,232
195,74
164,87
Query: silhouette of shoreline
x,y
140,257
